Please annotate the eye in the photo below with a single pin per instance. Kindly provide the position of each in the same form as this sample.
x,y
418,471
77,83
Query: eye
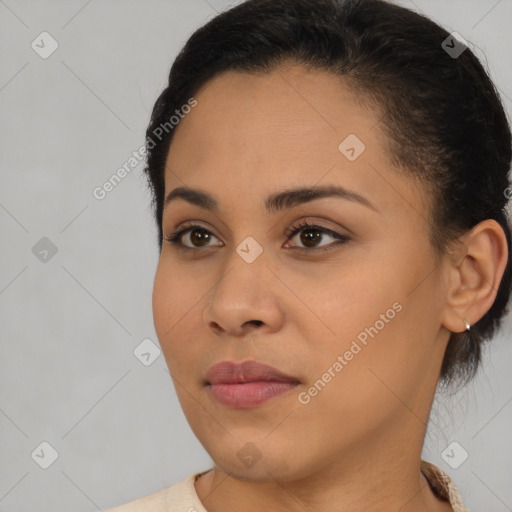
x,y
200,236
198,232
312,233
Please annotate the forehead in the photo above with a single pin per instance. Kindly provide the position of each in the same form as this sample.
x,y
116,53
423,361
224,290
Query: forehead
x,y
260,132
279,109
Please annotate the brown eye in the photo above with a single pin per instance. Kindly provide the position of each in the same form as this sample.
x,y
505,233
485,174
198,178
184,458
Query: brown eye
x,y
199,237
312,234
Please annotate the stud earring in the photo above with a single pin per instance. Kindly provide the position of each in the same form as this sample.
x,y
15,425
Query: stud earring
x,y
468,326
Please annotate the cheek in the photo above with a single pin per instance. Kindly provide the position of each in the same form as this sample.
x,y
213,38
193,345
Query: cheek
x,y
176,306
348,302
365,377
385,360
368,317
164,301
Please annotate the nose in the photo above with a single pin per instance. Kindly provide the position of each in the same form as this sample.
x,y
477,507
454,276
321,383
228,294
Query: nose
x,y
244,299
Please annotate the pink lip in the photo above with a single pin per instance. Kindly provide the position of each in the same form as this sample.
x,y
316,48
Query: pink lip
x,y
247,384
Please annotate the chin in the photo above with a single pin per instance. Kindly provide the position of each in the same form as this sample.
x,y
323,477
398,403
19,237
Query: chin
x,y
264,464
263,471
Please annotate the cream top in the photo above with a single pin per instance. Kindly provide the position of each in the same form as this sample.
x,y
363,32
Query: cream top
x,y
182,496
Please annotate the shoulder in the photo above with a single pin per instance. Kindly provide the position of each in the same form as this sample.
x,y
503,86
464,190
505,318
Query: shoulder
x,y
443,486
151,503
180,496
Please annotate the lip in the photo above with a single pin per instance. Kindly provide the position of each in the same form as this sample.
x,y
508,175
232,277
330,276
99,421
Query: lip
x,y
247,384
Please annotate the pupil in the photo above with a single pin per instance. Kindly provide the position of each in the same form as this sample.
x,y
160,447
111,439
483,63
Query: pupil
x,y
310,239
200,236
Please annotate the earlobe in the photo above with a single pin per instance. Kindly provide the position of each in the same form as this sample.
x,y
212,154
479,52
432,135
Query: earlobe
x,y
475,275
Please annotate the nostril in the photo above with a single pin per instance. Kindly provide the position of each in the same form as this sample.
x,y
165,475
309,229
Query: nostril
x,y
216,326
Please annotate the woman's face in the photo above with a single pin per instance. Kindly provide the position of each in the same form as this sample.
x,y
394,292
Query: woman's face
x,y
358,325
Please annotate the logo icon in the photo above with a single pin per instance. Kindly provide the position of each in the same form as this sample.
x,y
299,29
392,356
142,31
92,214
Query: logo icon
x,y
249,455
249,249
454,455
454,45
44,250
147,352
44,45
44,455
351,147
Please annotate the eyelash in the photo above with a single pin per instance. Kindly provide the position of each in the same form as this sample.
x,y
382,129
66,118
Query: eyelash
x,y
175,237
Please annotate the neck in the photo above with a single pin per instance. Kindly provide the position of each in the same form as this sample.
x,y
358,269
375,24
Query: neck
x,y
370,479
378,472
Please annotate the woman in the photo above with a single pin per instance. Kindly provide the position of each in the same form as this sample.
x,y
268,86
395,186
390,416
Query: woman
x,y
330,181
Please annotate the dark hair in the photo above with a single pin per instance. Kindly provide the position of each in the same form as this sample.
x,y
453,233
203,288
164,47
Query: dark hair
x,y
442,115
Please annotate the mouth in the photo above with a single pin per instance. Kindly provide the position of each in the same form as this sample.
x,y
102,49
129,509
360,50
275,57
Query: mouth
x,y
247,384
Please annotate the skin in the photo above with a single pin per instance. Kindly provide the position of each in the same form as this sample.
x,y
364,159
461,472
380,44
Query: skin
x,y
357,444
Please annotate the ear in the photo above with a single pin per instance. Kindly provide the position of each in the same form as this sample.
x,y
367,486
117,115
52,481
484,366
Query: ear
x,y
474,270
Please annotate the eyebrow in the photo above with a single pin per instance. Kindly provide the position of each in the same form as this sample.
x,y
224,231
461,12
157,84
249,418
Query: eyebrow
x,y
275,202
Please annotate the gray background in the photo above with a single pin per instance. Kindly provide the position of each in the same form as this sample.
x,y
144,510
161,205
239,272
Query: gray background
x,y
70,323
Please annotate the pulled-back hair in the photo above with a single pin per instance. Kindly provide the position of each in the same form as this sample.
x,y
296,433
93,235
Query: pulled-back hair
x,y
444,121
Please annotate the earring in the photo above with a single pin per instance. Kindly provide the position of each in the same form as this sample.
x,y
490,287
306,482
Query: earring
x,y
468,327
